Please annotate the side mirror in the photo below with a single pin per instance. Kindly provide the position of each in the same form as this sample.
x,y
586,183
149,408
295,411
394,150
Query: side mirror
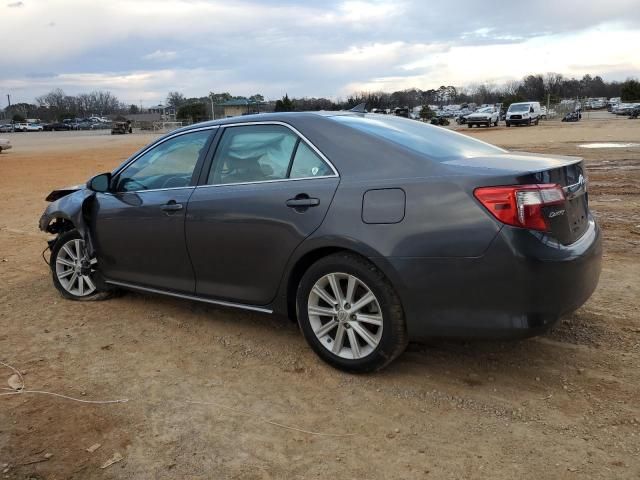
x,y
100,183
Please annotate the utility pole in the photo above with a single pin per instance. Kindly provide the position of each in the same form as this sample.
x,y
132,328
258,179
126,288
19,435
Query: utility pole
x,y
213,113
9,100
548,101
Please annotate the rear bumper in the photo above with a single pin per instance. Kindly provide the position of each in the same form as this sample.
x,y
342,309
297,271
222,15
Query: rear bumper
x,y
519,288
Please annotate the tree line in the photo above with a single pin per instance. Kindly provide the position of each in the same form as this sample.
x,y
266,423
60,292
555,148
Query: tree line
x,y
551,86
57,105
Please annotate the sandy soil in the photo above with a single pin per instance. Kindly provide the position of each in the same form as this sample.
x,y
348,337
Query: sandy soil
x,y
565,405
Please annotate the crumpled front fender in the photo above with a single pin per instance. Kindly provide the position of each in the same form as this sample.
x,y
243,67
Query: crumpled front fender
x,y
75,208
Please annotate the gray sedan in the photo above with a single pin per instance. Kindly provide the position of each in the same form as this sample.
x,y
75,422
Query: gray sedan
x,y
368,230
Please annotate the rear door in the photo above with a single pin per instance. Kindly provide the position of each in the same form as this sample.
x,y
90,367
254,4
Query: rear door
x,y
265,192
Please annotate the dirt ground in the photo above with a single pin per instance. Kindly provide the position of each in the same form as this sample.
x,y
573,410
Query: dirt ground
x,y
564,405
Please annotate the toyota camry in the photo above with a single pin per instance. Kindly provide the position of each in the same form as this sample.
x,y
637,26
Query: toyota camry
x,y
368,230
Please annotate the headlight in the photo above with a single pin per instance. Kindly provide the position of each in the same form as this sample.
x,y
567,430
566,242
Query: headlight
x,y
525,114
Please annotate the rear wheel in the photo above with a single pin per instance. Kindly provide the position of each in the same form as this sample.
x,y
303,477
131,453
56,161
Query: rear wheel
x,y
74,273
469,125
350,314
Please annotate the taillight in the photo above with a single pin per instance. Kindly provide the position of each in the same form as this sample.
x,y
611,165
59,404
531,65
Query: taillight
x,y
521,205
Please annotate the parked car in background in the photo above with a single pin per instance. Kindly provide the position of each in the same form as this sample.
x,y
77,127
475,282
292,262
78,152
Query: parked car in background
x,y
6,128
612,103
625,108
60,126
304,214
4,144
543,112
523,113
28,127
486,116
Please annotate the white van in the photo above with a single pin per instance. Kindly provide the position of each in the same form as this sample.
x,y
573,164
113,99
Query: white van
x,y
523,113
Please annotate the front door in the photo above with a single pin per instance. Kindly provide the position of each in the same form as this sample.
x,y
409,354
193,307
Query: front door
x,y
138,228
267,190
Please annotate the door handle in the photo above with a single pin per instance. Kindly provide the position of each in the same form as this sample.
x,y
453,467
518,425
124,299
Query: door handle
x,y
303,202
171,206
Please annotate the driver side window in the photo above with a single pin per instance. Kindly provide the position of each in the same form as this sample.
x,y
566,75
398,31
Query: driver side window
x,y
168,165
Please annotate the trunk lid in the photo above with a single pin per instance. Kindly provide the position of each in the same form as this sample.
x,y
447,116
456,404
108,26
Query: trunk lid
x,y
567,221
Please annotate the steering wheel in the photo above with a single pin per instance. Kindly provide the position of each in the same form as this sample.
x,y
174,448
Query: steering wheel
x,y
125,182
174,182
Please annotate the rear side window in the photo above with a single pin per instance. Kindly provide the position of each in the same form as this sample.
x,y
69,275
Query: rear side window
x,y
307,163
434,142
259,153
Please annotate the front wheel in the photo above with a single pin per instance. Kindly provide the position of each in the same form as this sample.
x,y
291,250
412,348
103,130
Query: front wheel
x,y
350,314
74,273
508,124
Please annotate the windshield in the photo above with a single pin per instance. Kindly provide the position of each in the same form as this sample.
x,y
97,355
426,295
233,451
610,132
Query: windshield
x,y
435,142
519,107
485,110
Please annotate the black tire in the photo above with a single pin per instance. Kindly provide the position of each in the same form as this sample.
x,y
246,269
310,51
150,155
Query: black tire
x,y
508,124
393,339
496,123
537,121
469,125
529,123
101,292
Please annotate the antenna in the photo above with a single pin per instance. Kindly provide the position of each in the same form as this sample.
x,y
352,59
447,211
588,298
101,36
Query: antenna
x,y
361,108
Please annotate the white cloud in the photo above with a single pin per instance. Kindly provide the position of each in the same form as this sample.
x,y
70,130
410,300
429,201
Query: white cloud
x,y
161,55
144,48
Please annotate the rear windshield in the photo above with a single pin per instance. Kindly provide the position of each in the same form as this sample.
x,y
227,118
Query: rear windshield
x,y
434,142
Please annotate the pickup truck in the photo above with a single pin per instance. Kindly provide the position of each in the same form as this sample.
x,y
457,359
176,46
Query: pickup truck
x,y
28,127
484,116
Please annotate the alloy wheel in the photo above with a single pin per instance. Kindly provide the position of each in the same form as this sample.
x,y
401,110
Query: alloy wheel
x,y
345,316
73,268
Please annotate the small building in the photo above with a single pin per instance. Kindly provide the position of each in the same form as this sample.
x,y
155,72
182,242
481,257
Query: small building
x,y
167,113
241,106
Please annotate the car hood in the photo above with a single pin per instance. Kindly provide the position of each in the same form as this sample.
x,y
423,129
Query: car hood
x,y
63,192
477,114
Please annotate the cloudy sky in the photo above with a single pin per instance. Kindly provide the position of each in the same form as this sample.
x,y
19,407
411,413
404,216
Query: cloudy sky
x,y
141,49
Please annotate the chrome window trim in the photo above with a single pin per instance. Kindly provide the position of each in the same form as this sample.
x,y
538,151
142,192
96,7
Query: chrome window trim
x,y
159,291
189,187
277,180
297,132
236,124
